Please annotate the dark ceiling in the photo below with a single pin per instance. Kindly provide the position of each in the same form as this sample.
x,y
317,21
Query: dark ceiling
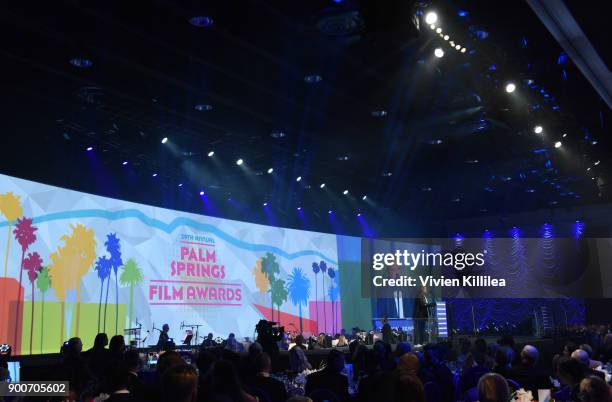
x,y
450,144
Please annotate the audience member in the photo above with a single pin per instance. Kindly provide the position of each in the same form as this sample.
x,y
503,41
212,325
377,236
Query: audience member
x,y
409,387
583,358
329,378
570,373
594,389
492,387
180,384
118,380
274,389
209,342
225,383
527,372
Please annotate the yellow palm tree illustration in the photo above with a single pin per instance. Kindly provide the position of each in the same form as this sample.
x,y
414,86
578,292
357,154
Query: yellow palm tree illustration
x,y
10,207
261,279
69,264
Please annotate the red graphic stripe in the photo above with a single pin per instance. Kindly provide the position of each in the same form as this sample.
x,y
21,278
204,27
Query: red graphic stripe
x,y
195,242
195,304
205,283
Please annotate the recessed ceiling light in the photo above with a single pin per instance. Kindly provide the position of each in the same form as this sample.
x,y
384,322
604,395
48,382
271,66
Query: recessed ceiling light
x,y
365,197
277,134
439,30
201,21
446,37
426,189
387,174
439,52
265,204
435,141
379,113
343,158
510,87
558,144
180,185
211,153
299,208
538,129
345,192
299,178
431,17
330,212
124,163
322,185
359,214
564,135
89,149
154,175
463,50
164,140
80,62
203,108
457,47
239,162
201,192
313,78
270,170
594,142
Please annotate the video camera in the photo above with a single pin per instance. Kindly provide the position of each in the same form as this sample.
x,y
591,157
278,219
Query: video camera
x,y
267,329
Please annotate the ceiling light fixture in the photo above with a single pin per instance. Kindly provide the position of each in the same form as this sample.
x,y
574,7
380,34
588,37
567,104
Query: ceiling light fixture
x,y
431,17
164,140
211,154
538,129
270,170
439,52
239,162
510,87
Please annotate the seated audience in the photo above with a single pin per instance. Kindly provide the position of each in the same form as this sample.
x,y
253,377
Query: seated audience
x,y
583,358
180,384
527,372
133,364
329,378
503,361
232,344
409,387
433,370
570,372
298,363
118,380
492,387
273,388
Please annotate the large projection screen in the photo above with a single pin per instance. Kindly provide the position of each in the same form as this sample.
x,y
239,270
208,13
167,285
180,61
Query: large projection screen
x,y
75,264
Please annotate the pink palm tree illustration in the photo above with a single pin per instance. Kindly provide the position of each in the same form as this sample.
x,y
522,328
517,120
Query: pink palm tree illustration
x,y
25,234
33,264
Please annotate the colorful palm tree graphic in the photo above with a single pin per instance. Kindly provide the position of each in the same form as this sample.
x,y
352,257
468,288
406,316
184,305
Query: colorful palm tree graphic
x,y
68,264
25,234
261,279
102,267
131,275
278,294
10,207
316,270
299,290
113,246
270,267
33,264
333,293
323,268
43,283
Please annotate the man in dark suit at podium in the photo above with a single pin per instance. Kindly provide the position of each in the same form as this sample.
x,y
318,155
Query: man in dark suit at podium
x,y
420,314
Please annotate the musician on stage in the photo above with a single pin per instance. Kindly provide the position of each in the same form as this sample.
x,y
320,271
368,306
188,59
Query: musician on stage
x,y
163,337
420,315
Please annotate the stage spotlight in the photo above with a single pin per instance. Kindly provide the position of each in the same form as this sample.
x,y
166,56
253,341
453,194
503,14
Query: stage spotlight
x,y
270,171
538,129
211,153
463,50
298,179
201,192
439,52
446,37
439,30
510,87
365,197
124,163
164,140
299,208
322,185
330,212
154,175
431,17
597,163
558,144
265,204
458,47
239,162
345,192
89,149
180,185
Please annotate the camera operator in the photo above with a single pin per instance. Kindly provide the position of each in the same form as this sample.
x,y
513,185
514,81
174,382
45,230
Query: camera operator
x,y
268,335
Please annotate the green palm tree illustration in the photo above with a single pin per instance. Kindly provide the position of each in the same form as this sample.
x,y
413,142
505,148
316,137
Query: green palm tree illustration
x,y
131,275
43,283
270,267
278,294
299,290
